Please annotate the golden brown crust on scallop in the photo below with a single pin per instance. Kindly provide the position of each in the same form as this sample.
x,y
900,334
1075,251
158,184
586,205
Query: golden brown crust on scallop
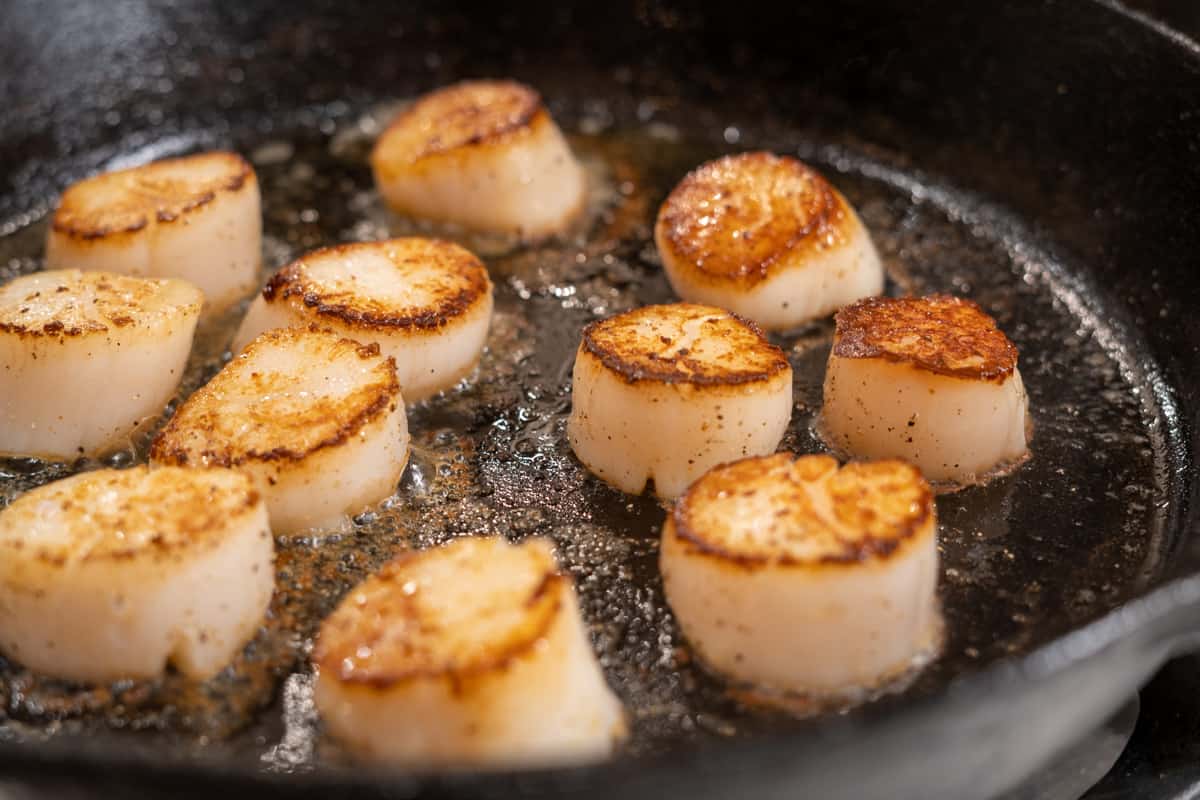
x,y
77,520
449,281
684,343
467,114
70,303
270,425
783,510
126,201
735,219
941,334
413,621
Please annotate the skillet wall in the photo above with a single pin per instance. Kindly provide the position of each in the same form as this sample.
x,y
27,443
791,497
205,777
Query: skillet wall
x,y
1005,98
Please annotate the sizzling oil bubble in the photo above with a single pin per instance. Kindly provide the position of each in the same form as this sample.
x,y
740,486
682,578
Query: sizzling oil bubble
x,y
1020,564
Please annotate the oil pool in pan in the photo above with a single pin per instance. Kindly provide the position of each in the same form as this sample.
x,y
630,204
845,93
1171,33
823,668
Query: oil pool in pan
x,y
1019,564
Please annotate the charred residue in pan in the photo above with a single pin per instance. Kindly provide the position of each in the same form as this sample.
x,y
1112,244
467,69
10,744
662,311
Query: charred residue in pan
x,y
1024,559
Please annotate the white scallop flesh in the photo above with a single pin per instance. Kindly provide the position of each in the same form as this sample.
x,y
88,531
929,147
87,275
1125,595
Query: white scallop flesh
x,y
317,420
115,574
797,579
483,155
470,654
427,304
664,393
767,238
88,358
955,429
197,218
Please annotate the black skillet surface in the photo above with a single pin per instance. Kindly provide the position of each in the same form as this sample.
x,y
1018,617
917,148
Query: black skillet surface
x,y
1039,157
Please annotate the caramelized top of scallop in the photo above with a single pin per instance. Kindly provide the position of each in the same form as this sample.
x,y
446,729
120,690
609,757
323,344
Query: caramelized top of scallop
x,y
684,343
453,612
68,302
412,283
465,114
804,511
289,393
128,200
738,219
110,514
939,333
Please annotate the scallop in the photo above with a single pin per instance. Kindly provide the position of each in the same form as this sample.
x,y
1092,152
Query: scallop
x,y
470,654
197,218
665,392
767,237
317,420
88,358
483,155
114,574
804,582
931,380
425,302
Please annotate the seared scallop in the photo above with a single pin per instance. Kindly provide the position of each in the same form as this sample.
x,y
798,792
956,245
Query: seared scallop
x,y
317,420
196,218
766,237
484,155
798,580
87,357
425,302
931,380
666,392
114,573
471,654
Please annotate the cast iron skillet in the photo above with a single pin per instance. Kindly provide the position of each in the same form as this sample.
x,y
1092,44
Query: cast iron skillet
x,y
1039,157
